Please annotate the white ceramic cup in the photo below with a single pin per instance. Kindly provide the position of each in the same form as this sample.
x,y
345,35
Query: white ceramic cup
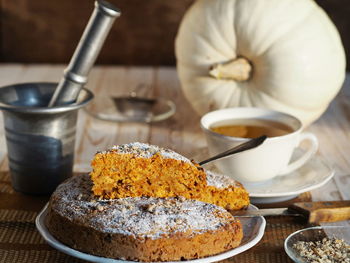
x,y
268,160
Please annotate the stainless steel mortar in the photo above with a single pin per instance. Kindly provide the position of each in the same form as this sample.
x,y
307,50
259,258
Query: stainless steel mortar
x,y
40,140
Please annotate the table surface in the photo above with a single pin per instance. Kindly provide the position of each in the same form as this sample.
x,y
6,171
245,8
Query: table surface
x,y
182,131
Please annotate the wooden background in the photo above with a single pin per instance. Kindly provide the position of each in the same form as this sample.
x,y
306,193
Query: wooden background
x,y
42,31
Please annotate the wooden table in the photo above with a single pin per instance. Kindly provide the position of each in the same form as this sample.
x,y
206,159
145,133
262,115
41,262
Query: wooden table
x,y
181,133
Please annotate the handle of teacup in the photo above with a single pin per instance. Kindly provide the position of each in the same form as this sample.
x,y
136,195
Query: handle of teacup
x,y
306,136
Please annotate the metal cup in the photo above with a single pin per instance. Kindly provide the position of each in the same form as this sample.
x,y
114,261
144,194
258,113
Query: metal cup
x,y
40,140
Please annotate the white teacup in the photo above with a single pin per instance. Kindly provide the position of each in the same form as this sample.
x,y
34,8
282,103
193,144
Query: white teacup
x,y
268,160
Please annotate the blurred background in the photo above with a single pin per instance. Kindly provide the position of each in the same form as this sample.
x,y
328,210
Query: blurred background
x,y
41,31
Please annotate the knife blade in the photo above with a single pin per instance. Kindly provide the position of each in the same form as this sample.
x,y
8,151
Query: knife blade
x,y
313,212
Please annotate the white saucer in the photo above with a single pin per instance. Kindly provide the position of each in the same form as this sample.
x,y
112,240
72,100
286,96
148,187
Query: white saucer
x,y
253,229
315,173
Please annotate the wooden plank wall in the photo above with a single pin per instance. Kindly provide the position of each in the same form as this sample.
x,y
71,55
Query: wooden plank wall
x,y
44,31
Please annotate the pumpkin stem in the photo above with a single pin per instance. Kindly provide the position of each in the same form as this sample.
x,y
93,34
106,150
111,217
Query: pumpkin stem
x,y
237,69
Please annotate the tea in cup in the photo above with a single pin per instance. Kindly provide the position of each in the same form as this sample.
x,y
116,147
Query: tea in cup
x,y
227,128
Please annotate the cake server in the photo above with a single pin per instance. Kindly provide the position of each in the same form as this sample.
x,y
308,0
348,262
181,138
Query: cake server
x,y
313,212
252,143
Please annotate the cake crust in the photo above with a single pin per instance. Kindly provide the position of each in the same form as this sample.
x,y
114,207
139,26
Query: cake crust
x,y
140,228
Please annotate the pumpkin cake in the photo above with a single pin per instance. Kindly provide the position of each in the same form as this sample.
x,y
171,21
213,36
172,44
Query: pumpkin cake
x,y
139,169
139,228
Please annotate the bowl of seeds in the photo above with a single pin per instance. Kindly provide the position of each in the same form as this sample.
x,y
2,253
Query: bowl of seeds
x,y
326,244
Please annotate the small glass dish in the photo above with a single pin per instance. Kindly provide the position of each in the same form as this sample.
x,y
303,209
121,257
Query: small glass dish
x,y
131,109
314,234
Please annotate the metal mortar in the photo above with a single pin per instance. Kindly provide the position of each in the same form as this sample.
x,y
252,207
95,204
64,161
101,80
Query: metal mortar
x,y
40,140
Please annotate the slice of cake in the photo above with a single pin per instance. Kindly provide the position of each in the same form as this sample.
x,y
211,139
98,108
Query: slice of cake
x,y
139,228
139,169
224,191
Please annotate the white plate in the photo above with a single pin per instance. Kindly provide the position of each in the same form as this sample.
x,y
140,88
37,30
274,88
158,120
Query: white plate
x,y
315,173
253,229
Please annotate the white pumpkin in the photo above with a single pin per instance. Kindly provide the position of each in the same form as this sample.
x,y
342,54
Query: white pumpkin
x,y
279,54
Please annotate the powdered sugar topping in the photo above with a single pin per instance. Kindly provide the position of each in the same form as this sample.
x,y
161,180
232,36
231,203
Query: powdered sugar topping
x,y
142,217
220,181
145,150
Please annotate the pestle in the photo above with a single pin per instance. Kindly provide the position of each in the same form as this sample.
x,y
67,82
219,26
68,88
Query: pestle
x,y
84,57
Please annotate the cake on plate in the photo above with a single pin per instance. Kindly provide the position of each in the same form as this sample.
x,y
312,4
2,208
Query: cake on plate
x,y
139,228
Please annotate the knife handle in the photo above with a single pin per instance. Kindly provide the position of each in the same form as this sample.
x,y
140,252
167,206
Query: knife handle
x,y
326,211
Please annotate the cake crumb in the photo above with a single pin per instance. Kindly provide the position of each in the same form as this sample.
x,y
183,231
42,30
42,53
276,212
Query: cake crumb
x,y
100,208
